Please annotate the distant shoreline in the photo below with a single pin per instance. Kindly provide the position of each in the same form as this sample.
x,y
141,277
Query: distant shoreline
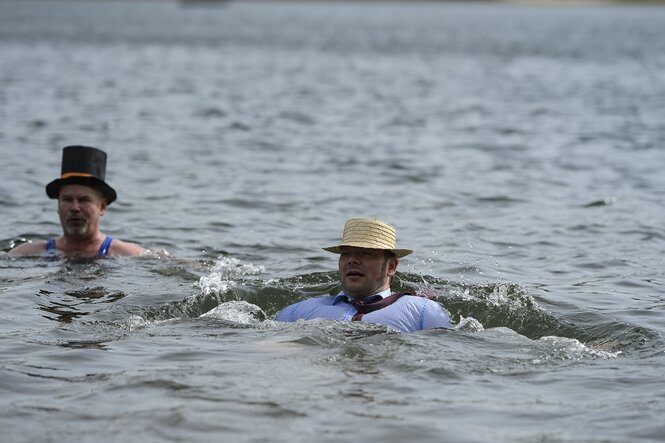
x,y
535,2
524,2
459,2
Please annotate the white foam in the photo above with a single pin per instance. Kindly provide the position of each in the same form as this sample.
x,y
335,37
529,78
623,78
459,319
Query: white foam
x,y
223,272
572,349
237,312
134,322
469,324
214,284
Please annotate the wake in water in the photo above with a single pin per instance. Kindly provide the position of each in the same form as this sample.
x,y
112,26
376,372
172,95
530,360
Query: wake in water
x,y
236,293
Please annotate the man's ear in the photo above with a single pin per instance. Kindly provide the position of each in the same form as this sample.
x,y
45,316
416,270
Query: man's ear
x,y
392,266
102,207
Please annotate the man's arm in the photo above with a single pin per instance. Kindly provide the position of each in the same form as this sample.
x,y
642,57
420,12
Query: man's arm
x,y
29,249
434,316
286,314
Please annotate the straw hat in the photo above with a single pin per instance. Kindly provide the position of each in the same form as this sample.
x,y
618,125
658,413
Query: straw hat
x,y
82,165
369,233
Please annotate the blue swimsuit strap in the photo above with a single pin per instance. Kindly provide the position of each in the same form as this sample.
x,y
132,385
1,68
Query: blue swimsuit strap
x,y
104,248
50,246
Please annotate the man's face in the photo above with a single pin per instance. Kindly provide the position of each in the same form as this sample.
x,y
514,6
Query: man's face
x,y
364,272
80,208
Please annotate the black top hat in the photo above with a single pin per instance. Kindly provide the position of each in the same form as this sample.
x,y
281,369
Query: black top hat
x,y
82,165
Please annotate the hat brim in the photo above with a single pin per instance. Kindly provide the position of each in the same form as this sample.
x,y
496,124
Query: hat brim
x,y
399,252
53,188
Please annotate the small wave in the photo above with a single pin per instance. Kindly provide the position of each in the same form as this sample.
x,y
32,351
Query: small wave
x,y
239,312
97,293
562,348
469,324
133,322
476,307
499,199
210,112
604,202
214,284
497,305
297,117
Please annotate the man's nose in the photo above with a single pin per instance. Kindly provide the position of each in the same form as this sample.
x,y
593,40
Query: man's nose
x,y
353,258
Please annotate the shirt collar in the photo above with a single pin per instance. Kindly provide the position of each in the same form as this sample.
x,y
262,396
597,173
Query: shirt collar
x,y
342,297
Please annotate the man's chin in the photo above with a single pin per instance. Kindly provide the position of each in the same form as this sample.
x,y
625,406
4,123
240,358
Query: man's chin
x,y
78,231
353,290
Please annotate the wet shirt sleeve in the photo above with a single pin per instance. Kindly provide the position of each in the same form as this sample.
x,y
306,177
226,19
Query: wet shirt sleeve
x,y
286,314
434,316
328,307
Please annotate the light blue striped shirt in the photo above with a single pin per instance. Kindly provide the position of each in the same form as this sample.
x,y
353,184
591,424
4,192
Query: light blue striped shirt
x,y
409,313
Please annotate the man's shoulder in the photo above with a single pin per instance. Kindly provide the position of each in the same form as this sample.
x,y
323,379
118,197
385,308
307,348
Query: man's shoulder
x,y
308,309
31,248
120,247
415,313
418,302
312,303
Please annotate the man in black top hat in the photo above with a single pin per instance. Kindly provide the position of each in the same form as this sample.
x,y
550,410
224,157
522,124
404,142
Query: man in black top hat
x,y
83,196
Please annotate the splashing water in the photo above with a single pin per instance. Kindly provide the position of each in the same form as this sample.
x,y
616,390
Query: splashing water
x,y
221,277
238,312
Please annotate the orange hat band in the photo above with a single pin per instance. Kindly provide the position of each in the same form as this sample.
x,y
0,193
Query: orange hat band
x,y
75,174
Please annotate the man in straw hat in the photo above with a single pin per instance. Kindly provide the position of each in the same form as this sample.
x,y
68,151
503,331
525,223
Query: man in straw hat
x,y
83,196
368,259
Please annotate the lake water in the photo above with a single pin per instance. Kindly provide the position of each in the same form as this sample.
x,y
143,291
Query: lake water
x,y
518,150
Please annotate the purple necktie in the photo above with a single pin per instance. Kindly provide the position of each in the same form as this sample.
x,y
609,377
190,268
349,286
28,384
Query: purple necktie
x,y
363,306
